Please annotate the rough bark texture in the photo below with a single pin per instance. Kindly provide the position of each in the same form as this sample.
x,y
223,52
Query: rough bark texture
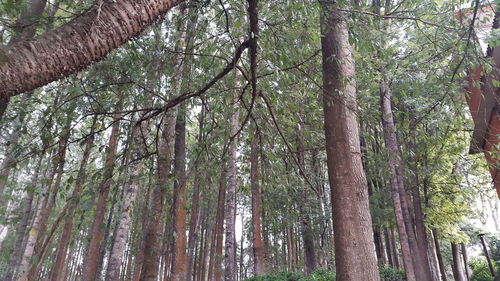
x,y
131,188
394,161
349,192
230,208
91,261
24,28
72,47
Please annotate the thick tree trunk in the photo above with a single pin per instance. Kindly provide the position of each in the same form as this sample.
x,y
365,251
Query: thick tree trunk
x,y
91,261
24,29
397,186
230,208
131,188
179,258
88,38
257,243
349,192
457,265
58,268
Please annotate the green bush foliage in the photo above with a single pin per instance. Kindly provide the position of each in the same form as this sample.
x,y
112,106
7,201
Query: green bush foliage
x,y
386,274
480,270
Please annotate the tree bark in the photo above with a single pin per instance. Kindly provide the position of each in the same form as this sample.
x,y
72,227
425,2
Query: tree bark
x,y
397,186
442,268
257,242
230,208
88,38
466,261
349,192
458,272
58,268
179,258
45,205
131,188
24,29
91,261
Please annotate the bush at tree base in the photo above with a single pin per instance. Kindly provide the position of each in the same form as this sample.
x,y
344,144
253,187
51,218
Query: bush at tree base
x,y
386,274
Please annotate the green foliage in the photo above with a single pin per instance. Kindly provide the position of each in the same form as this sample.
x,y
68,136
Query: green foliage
x,y
480,270
392,274
386,274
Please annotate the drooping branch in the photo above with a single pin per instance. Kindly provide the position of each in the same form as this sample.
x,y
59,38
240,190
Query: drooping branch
x,y
27,65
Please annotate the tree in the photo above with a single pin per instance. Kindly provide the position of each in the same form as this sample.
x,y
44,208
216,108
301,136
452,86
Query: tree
x,y
349,191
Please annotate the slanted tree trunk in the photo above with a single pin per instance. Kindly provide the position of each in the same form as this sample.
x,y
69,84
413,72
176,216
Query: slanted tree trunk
x,y
79,43
130,194
397,186
91,260
466,261
349,192
24,29
58,268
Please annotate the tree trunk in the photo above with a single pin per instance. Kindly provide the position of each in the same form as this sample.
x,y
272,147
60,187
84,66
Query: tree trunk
x,y
23,224
465,257
91,261
74,46
45,205
442,268
153,233
257,245
349,192
397,186
58,268
131,189
230,208
179,258
458,272
24,29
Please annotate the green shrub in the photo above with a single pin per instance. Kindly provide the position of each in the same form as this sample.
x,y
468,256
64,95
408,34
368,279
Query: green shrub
x,y
391,274
386,274
480,270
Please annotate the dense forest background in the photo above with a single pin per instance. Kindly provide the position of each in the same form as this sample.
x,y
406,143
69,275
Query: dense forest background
x,y
196,151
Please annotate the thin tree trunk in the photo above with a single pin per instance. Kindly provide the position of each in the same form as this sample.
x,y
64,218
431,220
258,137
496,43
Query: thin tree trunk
x,y
179,258
23,224
44,207
466,261
397,186
131,188
442,268
91,260
349,192
230,208
258,244
58,268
